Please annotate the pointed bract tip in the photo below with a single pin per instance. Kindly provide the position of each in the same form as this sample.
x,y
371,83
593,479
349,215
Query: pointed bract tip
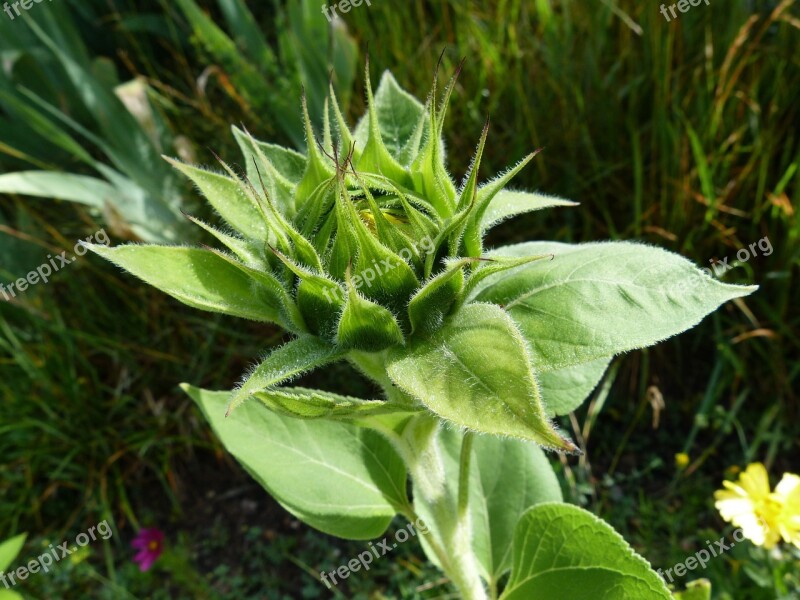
x,y
217,156
439,62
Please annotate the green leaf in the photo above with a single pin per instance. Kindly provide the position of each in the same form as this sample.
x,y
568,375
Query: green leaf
x,y
564,390
343,480
200,278
431,303
61,186
229,199
376,157
560,548
247,33
475,371
319,298
598,300
398,113
304,403
491,266
365,325
248,253
283,364
428,169
508,477
318,169
277,168
10,549
289,163
486,194
507,204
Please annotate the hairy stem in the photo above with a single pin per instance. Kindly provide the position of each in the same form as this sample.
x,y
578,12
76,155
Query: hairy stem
x,y
450,519
463,476
418,446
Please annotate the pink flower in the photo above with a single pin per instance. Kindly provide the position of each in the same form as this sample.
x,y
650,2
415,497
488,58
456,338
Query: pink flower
x,y
150,544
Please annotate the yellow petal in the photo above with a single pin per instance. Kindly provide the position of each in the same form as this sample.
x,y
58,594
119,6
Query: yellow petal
x,y
788,487
788,492
755,481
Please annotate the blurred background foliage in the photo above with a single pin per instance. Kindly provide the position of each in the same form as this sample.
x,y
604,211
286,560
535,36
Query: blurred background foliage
x,y
681,134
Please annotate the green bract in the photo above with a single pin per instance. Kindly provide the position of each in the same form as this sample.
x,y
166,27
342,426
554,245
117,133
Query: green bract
x,y
366,250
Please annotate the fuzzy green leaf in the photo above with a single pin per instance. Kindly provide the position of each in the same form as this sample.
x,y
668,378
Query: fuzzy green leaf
x,y
247,252
597,300
284,364
398,114
475,371
199,278
366,325
317,404
288,164
432,302
343,480
318,168
229,199
565,389
507,204
376,157
559,547
278,168
319,299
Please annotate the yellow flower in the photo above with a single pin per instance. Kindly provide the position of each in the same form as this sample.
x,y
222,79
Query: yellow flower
x,y
788,492
749,505
681,460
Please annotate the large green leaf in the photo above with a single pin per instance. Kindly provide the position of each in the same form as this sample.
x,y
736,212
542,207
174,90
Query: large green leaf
x,y
597,300
200,278
475,371
344,480
565,389
564,551
508,477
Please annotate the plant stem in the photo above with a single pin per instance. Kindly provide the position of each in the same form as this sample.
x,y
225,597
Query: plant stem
x,y
418,446
463,476
450,515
